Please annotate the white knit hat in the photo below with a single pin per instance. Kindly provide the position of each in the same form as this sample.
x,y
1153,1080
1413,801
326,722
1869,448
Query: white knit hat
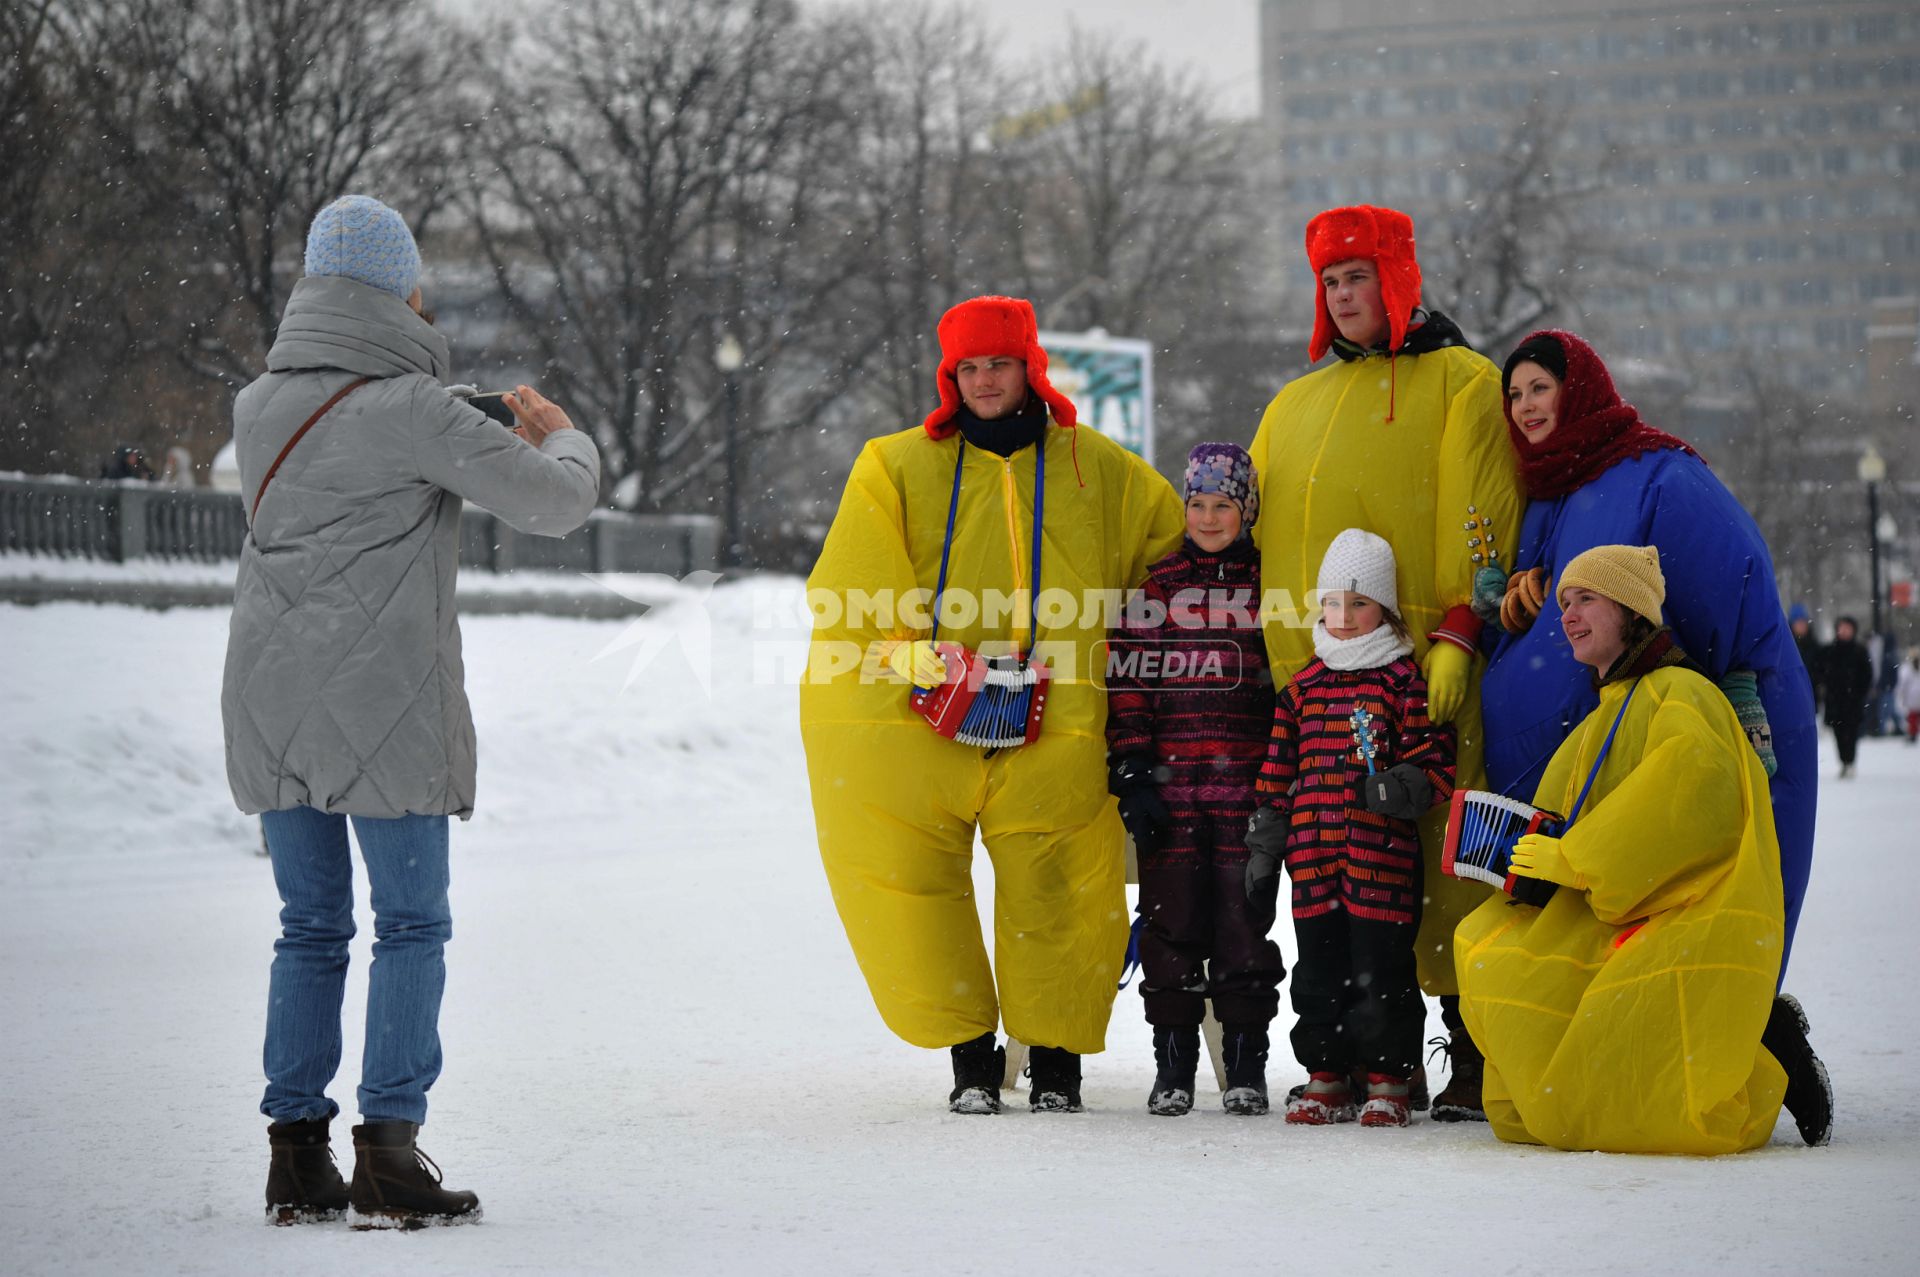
x,y
1363,563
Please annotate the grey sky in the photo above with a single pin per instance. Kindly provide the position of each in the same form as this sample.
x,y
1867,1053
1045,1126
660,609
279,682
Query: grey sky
x,y
1217,37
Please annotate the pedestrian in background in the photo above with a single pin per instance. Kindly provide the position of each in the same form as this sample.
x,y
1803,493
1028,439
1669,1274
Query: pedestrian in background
x,y
1907,696
1847,672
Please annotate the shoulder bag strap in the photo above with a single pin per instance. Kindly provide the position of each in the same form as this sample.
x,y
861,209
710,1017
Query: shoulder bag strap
x,y
299,434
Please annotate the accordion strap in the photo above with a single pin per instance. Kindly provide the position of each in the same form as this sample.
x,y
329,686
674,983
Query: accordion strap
x,y
946,546
1606,747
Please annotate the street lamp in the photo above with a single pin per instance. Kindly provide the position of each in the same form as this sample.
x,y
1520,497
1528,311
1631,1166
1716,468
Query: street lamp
x,y
1873,468
728,357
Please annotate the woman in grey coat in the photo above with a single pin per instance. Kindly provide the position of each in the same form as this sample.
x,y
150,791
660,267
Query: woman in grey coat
x,y
344,696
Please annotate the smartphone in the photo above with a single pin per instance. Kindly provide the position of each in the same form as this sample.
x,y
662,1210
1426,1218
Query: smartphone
x,y
494,404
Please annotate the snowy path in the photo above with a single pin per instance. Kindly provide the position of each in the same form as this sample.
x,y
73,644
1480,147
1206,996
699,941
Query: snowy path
x,y
661,1058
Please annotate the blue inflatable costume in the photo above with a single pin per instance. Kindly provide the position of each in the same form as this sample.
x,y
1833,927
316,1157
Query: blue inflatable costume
x,y
1603,477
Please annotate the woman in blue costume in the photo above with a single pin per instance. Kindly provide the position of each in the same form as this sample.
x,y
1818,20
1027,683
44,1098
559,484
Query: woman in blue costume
x,y
1596,474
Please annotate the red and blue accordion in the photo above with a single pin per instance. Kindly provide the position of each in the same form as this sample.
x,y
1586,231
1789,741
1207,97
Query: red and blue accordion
x,y
1482,828
994,701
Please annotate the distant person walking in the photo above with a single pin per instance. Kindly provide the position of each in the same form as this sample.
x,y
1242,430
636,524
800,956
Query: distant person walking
x,y
1907,696
344,694
1847,674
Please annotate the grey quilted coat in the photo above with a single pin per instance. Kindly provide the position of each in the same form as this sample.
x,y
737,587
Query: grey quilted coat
x,y
344,688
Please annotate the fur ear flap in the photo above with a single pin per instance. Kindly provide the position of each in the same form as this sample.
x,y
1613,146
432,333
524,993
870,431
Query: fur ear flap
x,y
1382,235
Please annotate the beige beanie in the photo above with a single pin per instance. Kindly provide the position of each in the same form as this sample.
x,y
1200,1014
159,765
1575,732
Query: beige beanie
x,y
1362,562
1628,574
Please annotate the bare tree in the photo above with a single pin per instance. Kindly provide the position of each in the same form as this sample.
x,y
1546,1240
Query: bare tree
x,y
84,265
259,112
924,89
655,195
1514,254
1131,208
1119,187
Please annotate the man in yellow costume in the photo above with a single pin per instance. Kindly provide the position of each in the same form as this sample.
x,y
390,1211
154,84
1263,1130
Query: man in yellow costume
x,y
995,489
1404,436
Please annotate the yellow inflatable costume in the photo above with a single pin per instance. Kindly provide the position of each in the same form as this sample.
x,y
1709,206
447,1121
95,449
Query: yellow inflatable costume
x,y
897,805
1411,446
1626,1016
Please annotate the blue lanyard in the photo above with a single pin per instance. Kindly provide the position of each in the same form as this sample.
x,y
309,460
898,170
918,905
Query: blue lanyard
x,y
1606,747
946,546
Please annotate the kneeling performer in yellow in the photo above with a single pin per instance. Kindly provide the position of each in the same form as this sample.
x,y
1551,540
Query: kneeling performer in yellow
x,y
1632,1012
994,530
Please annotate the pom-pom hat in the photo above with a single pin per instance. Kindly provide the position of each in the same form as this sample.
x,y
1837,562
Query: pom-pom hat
x,y
1628,574
1381,235
359,238
1363,563
981,328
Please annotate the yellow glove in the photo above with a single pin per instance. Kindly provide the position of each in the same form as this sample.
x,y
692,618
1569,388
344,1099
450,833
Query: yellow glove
x,y
1448,671
1540,856
917,661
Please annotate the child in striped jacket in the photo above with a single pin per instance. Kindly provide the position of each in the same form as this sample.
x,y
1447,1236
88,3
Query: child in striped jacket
x,y
1351,764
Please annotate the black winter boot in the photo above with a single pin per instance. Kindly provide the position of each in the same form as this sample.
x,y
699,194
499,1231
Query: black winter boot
x,y
303,1184
1245,1053
1055,1075
1809,1091
1176,1058
395,1185
1460,1102
978,1067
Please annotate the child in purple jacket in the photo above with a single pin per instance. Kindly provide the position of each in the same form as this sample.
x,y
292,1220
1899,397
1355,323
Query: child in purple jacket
x,y
1190,705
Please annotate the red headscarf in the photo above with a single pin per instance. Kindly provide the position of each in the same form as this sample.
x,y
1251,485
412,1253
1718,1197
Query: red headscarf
x,y
1597,429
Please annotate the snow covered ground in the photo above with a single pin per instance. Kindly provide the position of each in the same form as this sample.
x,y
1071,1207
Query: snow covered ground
x,y
661,1057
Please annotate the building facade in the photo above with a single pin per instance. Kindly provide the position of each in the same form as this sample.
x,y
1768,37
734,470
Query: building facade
x,y
1744,171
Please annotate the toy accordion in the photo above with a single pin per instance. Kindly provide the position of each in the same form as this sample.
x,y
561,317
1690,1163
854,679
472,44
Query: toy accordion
x,y
995,701
1482,828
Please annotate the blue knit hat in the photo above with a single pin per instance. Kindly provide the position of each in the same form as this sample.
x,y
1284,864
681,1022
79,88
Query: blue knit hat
x,y
1225,468
361,239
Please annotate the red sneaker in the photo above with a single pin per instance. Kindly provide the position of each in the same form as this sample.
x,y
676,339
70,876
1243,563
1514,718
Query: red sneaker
x,y
1327,1099
1388,1101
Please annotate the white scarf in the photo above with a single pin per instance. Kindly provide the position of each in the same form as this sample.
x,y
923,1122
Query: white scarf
x,y
1368,652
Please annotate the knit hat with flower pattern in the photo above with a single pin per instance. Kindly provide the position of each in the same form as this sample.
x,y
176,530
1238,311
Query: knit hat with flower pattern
x,y
1225,469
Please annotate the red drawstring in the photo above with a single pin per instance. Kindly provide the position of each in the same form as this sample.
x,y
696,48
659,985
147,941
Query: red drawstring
x,y
1073,433
1393,385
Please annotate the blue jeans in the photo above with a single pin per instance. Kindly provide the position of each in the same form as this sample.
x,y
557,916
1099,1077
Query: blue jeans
x,y
406,863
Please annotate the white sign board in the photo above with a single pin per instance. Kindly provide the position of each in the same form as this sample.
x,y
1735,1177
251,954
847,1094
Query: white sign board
x,y
1110,380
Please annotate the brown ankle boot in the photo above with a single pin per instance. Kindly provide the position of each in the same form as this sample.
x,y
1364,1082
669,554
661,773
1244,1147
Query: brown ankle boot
x,y
395,1185
1460,1102
303,1184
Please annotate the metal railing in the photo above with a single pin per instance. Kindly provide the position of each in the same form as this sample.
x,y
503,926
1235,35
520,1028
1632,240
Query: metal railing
x,y
119,521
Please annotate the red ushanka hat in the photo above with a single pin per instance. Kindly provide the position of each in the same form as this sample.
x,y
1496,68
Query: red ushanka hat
x,y
980,328
1385,236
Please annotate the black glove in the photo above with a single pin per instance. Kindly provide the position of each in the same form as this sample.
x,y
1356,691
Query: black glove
x,y
1146,817
1142,810
1533,891
1266,852
1402,791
